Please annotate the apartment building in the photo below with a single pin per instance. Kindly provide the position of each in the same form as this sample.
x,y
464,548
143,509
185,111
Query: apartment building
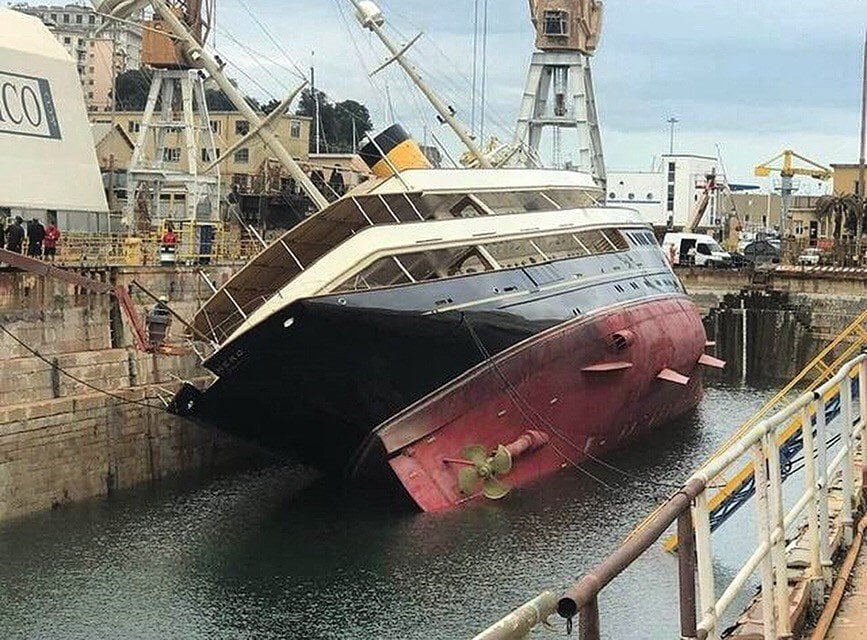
x,y
116,134
102,49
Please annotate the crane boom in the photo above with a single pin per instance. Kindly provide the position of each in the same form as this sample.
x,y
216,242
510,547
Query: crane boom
x,y
788,168
701,206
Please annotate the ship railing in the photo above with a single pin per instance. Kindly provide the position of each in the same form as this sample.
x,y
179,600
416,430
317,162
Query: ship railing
x,y
702,605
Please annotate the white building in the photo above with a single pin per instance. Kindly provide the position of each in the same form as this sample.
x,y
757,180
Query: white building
x,y
99,56
668,195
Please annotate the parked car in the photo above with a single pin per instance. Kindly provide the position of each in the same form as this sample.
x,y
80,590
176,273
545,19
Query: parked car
x,y
810,257
696,249
762,252
739,261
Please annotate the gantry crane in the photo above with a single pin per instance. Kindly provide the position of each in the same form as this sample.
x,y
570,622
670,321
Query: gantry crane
x,y
787,171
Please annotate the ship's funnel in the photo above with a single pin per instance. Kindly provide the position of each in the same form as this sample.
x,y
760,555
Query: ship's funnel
x,y
393,151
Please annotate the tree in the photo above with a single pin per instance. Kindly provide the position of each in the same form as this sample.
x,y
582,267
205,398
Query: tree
x,y
335,121
269,106
131,90
345,113
843,211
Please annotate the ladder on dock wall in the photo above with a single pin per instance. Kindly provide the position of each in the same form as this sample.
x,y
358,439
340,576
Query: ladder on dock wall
x,y
738,486
38,267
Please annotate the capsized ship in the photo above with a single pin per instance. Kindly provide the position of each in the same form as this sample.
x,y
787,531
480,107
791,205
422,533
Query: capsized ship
x,y
460,330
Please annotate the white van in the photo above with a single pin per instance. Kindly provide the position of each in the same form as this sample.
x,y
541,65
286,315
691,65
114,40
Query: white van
x,y
696,249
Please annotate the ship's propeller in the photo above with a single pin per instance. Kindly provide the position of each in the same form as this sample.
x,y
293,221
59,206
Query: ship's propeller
x,y
485,468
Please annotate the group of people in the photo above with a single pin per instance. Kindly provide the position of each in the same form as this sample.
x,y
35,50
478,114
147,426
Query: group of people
x,y
40,241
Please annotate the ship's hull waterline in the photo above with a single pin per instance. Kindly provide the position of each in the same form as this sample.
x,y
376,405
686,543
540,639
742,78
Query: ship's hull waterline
x,y
349,387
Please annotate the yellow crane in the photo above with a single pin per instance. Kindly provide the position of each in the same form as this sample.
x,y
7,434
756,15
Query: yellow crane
x,y
787,171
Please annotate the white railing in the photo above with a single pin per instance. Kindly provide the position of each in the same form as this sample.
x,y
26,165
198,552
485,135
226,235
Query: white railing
x,y
769,554
690,509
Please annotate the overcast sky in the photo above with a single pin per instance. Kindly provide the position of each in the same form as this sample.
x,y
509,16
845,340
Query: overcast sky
x,y
753,76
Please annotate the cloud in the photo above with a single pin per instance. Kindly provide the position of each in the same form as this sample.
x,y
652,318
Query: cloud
x,y
754,77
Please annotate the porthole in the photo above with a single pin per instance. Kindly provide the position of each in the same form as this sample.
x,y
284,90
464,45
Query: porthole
x,y
612,196
650,196
288,322
631,196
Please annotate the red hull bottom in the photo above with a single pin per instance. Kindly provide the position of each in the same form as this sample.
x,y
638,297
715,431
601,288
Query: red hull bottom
x,y
582,388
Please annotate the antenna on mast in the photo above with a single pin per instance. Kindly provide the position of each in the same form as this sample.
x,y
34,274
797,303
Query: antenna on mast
x,y
370,17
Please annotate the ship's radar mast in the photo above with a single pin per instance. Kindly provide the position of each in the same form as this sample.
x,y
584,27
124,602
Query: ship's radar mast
x,y
174,46
559,91
370,17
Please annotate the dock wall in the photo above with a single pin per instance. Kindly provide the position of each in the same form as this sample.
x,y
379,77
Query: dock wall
x,y
767,327
63,441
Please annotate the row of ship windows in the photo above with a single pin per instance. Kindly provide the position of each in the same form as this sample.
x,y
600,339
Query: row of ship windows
x,y
642,238
630,196
457,261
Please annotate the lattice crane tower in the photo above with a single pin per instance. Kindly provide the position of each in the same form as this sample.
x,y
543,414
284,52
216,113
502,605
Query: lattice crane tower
x,y
175,129
559,91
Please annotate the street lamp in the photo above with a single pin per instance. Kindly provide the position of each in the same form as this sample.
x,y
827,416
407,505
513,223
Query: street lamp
x,y
671,122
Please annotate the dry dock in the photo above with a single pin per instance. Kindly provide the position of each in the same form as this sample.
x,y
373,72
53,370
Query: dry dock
x,y
81,410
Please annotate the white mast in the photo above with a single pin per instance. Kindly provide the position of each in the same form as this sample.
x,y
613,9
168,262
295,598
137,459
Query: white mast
x,y
370,17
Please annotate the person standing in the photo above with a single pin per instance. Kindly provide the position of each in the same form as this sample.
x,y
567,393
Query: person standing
x,y
52,235
168,246
35,236
15,235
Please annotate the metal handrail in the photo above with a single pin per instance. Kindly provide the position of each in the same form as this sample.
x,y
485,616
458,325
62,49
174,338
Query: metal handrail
x,y
689,508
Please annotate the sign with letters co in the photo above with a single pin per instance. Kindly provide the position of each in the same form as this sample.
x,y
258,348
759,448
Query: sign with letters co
x,y
27,107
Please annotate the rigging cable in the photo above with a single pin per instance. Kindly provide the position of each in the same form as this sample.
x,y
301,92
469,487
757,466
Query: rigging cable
x,y
484,80
475,64
76,378
521,403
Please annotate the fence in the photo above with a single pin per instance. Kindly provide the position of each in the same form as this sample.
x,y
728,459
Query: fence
x,y
115,249
689,509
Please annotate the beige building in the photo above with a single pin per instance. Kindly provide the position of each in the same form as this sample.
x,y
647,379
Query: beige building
x,y
846,179
115,136
760,211
757,211
99,57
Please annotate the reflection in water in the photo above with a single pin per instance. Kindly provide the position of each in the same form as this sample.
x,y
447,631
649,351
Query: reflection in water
x,y
270,554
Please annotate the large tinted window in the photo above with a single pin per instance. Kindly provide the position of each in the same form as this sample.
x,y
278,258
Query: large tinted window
x,y
515,253
515,201
561,246
385,272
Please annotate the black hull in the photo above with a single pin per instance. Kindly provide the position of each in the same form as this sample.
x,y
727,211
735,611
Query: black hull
x,y
314,379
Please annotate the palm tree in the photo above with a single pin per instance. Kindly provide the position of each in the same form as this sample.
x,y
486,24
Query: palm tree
x,y
845,211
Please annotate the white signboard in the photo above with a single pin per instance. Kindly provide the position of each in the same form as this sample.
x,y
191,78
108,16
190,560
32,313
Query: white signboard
x,y
27,106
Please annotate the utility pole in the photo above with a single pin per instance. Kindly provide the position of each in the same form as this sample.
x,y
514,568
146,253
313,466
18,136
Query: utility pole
x,y
671,122
861,191
315,102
